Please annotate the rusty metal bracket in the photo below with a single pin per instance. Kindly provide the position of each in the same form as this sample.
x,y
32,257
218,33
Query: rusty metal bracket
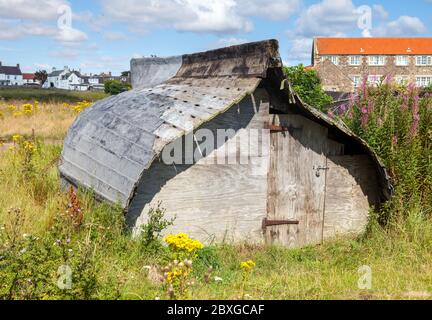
x,y
268,223
276,128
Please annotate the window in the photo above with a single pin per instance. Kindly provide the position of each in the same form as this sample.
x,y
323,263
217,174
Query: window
x,y
354,60
423,81
374,79
333,59
376,60
402,60
402,80
424,60
356,80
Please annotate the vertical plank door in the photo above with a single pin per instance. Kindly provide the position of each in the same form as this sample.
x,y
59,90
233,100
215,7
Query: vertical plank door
x,y
296,181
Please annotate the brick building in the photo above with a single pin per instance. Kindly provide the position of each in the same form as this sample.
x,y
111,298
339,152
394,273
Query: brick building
x,y
404,59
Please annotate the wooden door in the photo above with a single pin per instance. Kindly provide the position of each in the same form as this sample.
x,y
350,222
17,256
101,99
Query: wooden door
x,y
296,181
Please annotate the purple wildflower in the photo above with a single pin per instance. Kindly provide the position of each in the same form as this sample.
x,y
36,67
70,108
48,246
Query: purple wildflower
x,y
343,108
405,102
388,79
371,106
365,120
414,127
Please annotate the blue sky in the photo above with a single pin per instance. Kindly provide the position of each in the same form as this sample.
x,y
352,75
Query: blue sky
x,y
103,35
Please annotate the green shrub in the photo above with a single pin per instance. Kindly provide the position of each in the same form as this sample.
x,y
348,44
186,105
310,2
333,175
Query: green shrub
x,y
307,85
49,95
114,87
151,232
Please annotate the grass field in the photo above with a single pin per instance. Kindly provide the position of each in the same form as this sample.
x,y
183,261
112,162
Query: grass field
x,y
50,121
399,255
42,230
48,95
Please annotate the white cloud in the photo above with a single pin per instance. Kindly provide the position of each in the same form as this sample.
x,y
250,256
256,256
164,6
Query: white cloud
x,y
227,42
213,16
327,18
403,26
381,11
115,36
184,15
20,18
65,53
222,16
270,9
31,10
300,50
105,63
10,30
339,18
70,35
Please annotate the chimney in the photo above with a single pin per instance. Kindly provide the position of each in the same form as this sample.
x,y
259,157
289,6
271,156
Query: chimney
x,y
18,65
54,69
0,64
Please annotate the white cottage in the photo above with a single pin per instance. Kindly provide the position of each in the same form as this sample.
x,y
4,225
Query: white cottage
x,y
10,76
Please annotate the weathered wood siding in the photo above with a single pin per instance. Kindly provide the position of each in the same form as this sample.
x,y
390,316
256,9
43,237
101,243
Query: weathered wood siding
x,y
311,181
298,174
352,187
222,202
296,184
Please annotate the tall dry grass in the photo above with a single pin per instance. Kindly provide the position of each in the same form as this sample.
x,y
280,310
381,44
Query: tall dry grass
x,y
49,121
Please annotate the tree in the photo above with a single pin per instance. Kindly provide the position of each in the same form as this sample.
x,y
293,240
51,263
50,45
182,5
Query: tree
x,y
41,76
114,87
307,85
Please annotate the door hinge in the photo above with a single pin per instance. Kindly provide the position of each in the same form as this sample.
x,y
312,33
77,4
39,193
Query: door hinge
x,y
268,223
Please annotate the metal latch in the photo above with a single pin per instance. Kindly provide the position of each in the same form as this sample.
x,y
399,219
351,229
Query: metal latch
x,y
318,170
268,223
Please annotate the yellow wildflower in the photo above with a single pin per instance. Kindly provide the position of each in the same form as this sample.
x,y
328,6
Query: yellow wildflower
x,y
82,105
182,242
17,138
29,146
18,114
28,108
247,266
12,108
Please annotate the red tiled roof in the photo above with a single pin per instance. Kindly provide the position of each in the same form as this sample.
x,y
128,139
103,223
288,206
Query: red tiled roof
x,y
28,76
384,46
